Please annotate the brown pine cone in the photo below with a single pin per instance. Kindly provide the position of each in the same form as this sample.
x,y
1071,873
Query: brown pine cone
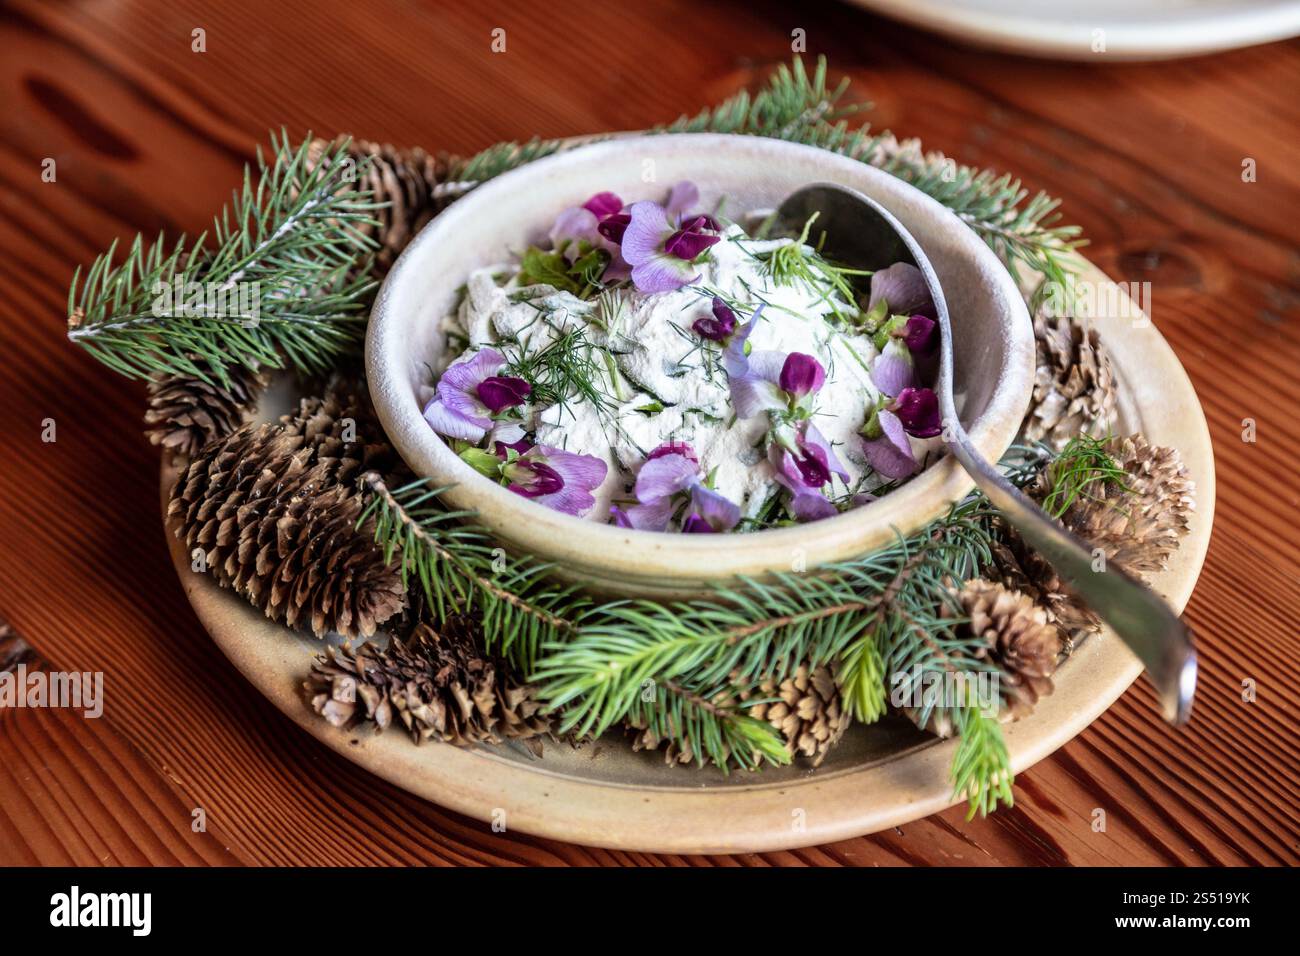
x,y
1074,383
272,512
1140,525
1017,638
436,684
185,412
411,181
805,707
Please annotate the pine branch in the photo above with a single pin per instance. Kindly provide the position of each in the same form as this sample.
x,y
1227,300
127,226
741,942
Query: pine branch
x,y
272,289
462,572
686,715
1025,232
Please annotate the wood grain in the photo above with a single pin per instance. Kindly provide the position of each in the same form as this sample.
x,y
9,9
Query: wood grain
x,y
148,135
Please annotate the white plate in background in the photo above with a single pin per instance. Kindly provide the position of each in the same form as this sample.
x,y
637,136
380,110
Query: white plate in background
x,y
1130,29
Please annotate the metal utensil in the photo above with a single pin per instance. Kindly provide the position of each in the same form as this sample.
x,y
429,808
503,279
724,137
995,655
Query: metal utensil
x,y
860,233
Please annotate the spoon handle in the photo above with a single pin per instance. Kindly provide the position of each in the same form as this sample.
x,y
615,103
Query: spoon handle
x,y
1142,620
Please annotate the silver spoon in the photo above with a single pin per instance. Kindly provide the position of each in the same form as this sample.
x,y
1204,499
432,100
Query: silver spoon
x,y
859,232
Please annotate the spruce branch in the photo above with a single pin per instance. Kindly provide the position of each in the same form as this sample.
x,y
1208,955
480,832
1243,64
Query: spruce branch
x,y
271,288
462,571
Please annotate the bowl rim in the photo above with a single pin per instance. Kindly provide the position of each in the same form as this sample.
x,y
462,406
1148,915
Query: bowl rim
x,y
569,540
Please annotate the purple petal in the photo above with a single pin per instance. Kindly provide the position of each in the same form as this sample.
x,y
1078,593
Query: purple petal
x,y
653,516
673,448
812,507
719,328
458,387
662,274
614,227
686,245
801,374
696,524
812,440
890,455
920,334
575,224
720,513
618,517
499,392
578,471
533,479
903,288
453,424
681,198
734,359
603,205
664,477
647,229
892,369
918,410
751,395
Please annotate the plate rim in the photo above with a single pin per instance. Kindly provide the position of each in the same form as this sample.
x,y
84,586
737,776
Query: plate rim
x,y
757,817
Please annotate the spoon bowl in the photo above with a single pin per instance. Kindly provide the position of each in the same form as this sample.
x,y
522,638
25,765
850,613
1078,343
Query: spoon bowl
x,y
860,232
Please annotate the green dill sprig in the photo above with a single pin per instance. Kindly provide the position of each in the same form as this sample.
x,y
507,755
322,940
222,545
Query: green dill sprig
x,y
797,264
278,283
567,367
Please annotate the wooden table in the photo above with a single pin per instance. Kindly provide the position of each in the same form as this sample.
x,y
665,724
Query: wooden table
x,y
149,135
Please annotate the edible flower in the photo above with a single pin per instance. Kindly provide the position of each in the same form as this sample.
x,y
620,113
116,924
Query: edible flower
x,y
804,462
661,251
915,411
719,328
766,380
898,290
670,477
471,393
590,224
561,480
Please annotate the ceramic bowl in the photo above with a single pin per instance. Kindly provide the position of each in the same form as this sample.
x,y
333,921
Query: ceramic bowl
x,y
993,340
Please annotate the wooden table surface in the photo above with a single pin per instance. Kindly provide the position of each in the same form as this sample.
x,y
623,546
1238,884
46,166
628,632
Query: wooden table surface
x,y
149,135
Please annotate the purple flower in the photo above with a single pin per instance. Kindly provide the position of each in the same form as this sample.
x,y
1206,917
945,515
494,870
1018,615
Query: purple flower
x,y
559,479
720,327
919,334
893,369
801,375
470,393
899,290
660,253
618,517
603,205
918,411
812,507
766,380
681,198
613,227
670,474
803,459
595,223
888,451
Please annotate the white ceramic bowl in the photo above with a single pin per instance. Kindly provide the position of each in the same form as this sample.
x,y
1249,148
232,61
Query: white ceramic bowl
x,y
993,343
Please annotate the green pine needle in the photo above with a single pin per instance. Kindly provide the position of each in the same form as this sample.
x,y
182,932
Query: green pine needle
x,y
278,280
1083,462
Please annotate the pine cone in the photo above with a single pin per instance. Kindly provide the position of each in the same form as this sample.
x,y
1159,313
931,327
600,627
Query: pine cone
x,y
1141,525
807,712
1018,639
437,684
1074,384
185,412
1138,527
273,510
411,181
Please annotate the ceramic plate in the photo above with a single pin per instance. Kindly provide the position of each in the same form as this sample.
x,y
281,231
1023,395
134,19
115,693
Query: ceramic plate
x,y
604,794
1130,29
